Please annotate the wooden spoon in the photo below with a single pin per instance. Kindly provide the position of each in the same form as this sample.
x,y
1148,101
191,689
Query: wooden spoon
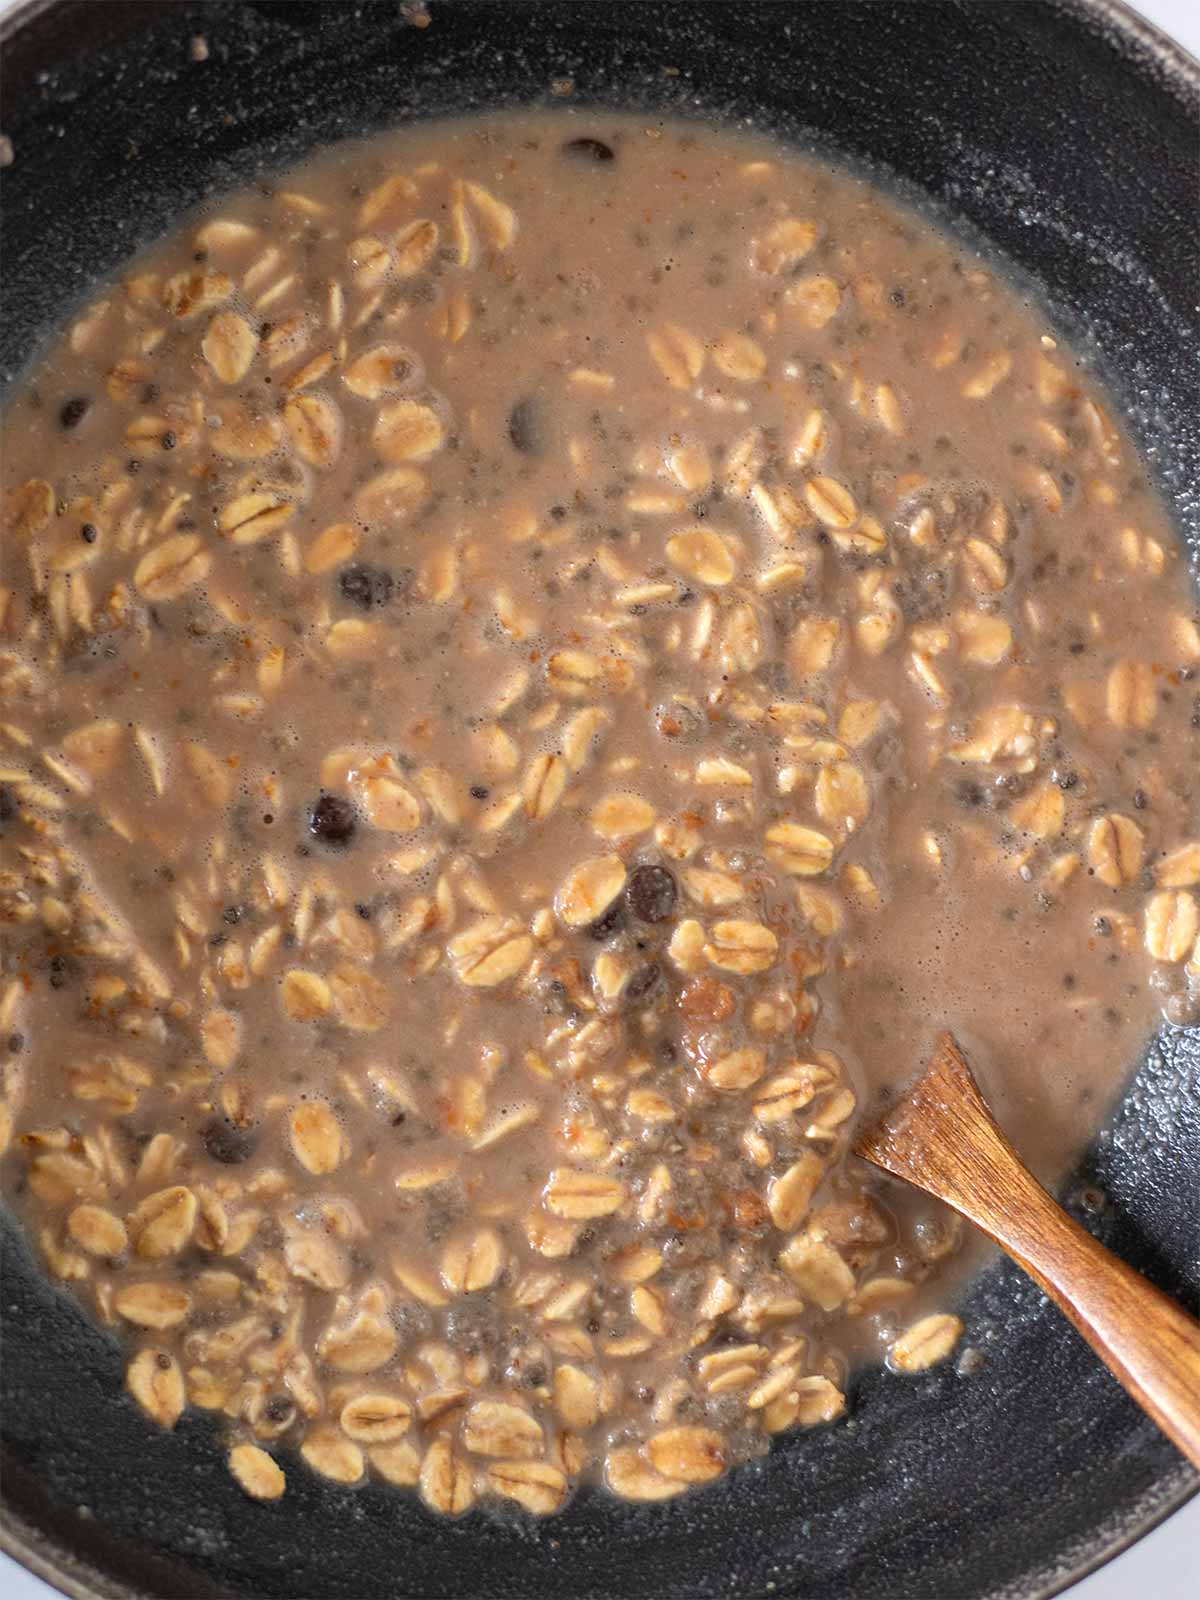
x,y
942,1138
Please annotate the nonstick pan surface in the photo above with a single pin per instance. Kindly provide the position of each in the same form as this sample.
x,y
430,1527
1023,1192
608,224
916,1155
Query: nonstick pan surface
x,y
1064,136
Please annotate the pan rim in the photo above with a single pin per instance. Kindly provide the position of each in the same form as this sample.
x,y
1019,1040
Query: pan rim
x,y
20,1547
76,1577
1122,15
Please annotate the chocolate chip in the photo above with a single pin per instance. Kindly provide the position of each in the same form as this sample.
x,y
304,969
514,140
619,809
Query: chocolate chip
x,y
365,586
651,893
332,819
479,792
73,413
588,150
227,1143
8,804
969,793
62,970
607,923
525,427
643,983
89,533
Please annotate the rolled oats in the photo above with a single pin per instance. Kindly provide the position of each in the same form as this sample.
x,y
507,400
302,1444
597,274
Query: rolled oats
x,y
163,1223
580,1196
149,1304
230,346
678,354
798,849
315,1138
256,1473
925,1343
97,1231
397,1463
490,953
791,1194
818,1271
326,1452
692,1455
702,554
1172,922
445,1479
1180,868
537,1485
589,890
499,1428
783,244
816,1400
315,427
156,1383
1115,848
473,1262
1130,695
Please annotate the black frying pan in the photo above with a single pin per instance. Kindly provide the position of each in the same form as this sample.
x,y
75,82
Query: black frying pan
x,y
1065,134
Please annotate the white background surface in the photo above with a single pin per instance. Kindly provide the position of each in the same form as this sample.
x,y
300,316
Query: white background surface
x,y
1166,1564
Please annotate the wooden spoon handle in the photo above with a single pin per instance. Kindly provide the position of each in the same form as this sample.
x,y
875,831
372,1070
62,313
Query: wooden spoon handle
x,y
944,1139
1149,1343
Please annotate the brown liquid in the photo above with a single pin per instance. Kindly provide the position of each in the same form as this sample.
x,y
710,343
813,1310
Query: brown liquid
x,y
315,708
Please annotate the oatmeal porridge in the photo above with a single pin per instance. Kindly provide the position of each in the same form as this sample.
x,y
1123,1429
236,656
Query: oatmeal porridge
x,y
544,660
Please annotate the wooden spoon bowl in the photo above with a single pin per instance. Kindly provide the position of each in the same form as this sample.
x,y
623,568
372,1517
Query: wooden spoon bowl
x,y
942,1138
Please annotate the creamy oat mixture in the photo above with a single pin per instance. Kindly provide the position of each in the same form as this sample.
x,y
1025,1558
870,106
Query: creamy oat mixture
x,y
543,660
